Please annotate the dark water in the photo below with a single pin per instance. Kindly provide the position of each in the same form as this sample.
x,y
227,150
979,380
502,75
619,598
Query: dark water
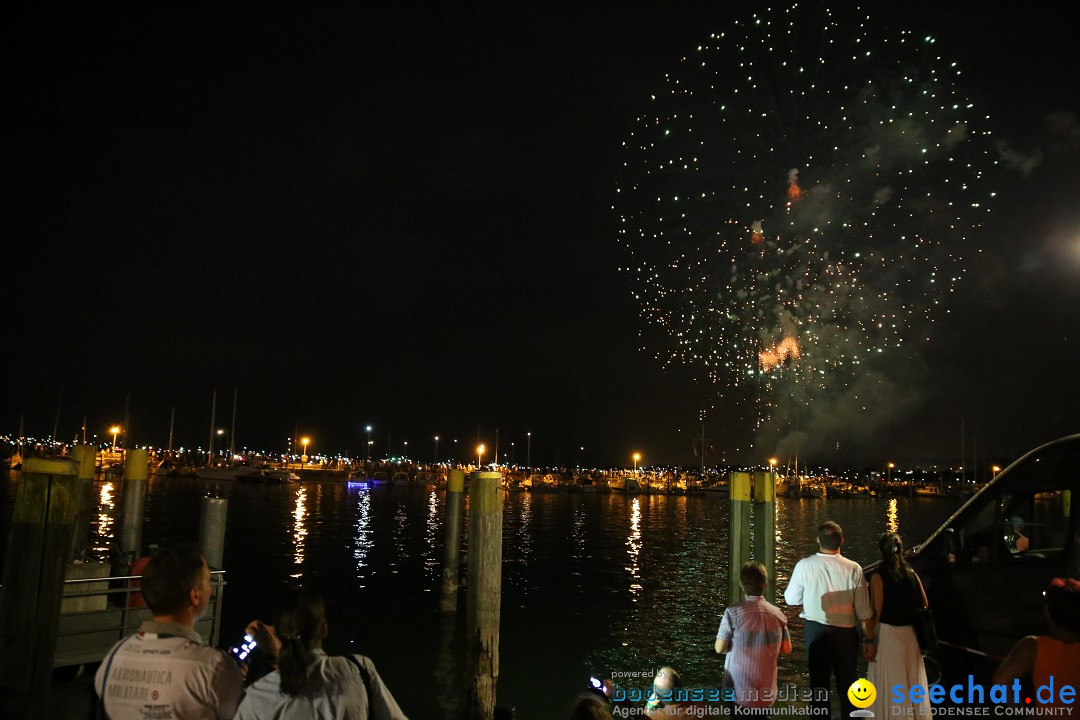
x,y
592,584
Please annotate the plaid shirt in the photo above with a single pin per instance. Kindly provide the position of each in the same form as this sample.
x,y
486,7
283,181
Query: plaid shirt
x,y
754,630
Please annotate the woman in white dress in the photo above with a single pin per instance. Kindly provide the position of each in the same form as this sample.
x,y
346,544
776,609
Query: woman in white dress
x,y
891,646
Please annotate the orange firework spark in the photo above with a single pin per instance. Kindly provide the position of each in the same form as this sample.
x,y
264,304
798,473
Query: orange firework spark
x,y
794,192
772,357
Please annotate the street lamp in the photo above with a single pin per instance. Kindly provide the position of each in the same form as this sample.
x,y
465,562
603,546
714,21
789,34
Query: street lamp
x,y
996,469
581,460
528,451
479,454
888,474
303,458
435,460
637,456
511,452
115,430
369,443
406,448
772,465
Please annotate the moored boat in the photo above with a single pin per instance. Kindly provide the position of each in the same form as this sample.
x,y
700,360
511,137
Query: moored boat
x,y
221,473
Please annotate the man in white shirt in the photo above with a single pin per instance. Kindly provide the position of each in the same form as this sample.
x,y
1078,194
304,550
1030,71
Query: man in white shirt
x,y
832,592
165,671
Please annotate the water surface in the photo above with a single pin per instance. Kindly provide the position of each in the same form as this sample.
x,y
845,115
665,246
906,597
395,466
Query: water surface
x,y
592,584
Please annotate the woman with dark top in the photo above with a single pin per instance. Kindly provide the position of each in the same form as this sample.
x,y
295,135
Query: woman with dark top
x,y
891,646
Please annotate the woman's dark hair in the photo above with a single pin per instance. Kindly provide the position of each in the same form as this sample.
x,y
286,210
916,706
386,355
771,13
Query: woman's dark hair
x,y
1063,603
893,563
301,623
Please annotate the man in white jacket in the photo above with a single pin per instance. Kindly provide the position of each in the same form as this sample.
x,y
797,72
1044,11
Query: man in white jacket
x,y
164,671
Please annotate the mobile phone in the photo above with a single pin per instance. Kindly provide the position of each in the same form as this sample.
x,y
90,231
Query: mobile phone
x,y
597,687
243,651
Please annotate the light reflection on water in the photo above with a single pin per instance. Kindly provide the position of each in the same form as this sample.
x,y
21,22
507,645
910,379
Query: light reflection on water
x,y
892,520
401,552
106,510
608,582
299,531
362,540
431,536
578,544
633,549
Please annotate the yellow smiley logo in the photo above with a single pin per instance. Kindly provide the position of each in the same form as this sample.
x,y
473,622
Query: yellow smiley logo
x,y
862,693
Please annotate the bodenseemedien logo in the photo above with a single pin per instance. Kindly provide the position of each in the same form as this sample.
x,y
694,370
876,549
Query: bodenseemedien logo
x,y
861,694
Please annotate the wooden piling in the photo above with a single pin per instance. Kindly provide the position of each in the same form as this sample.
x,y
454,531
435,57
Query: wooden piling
x,y
33,583
455,485
212,530
135,471
738,532
85,458
484,593
765,527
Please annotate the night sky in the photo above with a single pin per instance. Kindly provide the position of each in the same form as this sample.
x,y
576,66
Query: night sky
x,y
404,219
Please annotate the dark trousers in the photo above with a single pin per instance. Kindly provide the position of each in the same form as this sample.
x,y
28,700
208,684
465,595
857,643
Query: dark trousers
x,y
831,651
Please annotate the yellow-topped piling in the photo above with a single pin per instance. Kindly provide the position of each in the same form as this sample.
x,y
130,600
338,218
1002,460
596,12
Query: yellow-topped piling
x,y
455,485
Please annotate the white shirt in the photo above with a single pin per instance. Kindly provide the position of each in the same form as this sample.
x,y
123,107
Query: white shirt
x,y
341,695
831,590
165,672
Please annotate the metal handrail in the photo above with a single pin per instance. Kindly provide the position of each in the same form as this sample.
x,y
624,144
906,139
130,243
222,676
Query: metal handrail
x,y
87,635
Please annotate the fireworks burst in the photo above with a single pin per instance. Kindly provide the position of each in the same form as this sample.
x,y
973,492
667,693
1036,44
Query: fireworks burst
x,y
795,202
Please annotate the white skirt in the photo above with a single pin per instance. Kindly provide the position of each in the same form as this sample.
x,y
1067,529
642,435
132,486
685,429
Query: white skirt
x,y
898,662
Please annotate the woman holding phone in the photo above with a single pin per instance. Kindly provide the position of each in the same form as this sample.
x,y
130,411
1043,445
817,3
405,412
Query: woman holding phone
x,y
308,684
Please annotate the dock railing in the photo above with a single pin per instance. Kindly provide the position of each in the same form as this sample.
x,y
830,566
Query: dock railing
x,y
97,612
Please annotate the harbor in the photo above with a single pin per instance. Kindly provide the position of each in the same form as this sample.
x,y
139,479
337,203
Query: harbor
x,y
621,580
600,572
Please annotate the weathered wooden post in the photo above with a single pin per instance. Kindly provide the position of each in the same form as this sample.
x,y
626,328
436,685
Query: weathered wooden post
x,y
484,593
212,530
738,532
765,527
135,466
455,484
85,458
33,583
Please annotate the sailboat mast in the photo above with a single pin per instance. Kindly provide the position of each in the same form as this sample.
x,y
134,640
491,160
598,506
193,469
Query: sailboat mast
x,y
213,421
172,423
232,433
126,429
56,421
